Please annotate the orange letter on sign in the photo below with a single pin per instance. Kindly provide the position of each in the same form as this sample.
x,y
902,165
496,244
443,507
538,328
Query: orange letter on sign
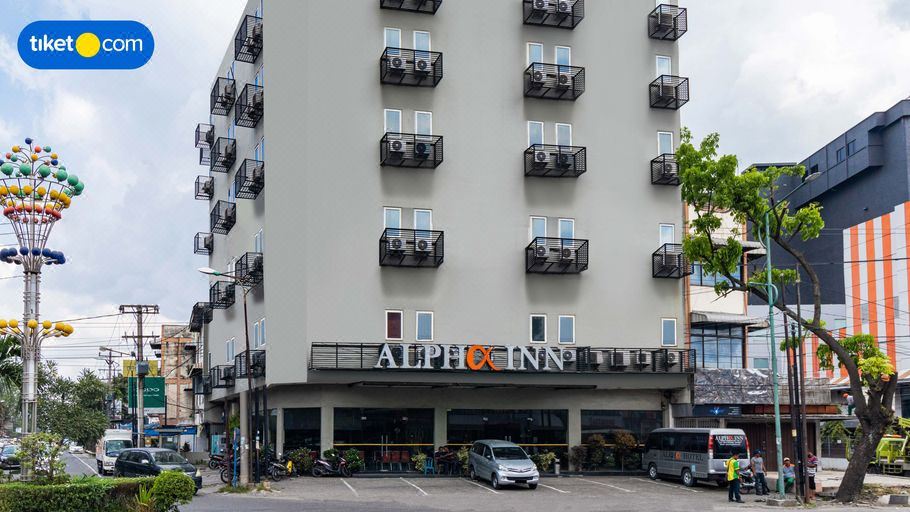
x,y
486,358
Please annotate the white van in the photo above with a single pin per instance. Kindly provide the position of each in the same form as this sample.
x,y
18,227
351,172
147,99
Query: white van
x,y
693,454
110,446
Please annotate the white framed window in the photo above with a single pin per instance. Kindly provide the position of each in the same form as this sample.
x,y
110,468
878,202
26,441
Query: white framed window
x,y
538,328
229,350
668,332
566,228
258,242
257,80
262,332
423,123
563,56
535,53
535,133
231,130
664,65
392,38
567,329
422,40
391,218
667,234
664,143
423,220
392,120
424,326
232,191
563,134
255,334
231,265
259,150
538,227
393,324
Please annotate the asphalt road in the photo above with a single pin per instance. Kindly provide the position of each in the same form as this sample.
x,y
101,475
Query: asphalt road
x,y
81,464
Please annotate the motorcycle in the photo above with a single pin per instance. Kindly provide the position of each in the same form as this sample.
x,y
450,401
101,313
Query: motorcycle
x,y
323,467
215,460
278,469
746,481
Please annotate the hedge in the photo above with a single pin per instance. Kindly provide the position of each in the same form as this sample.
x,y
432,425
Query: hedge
x,y
91,494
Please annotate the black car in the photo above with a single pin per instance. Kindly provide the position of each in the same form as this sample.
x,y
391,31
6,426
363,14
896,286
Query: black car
x,y
9,457
152,461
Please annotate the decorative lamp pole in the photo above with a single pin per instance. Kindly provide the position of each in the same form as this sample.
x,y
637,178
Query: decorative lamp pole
x,y
34,191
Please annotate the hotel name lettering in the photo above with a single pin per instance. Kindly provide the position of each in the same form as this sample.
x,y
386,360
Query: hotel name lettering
x,y
401,356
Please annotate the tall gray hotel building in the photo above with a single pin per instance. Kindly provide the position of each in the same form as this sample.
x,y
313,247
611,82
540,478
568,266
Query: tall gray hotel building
x,y
455,220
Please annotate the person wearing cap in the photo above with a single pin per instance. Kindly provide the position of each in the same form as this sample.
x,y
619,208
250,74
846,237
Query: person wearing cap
x,y
758,469
788,472
850,404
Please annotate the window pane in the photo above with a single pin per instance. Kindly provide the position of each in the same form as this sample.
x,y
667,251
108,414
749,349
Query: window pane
x,y
566,329
664,65
393,37
563,56
393,121
255,334
538,227
669,332
566,228
664,142
667,233
423,122
423,219
422,41
262,331
393,218
760,362
424,326
535,53
564,134
535,133
538,328
393,325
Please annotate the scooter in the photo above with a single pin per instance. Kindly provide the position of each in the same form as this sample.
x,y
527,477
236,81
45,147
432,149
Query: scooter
x,y
746,481
215,460
323,467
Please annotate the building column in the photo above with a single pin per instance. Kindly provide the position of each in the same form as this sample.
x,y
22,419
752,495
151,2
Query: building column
x,y
326,428
440,427
244,438
573,436
279,430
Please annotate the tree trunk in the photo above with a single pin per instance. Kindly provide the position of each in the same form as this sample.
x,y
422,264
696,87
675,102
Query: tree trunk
x,y
863,453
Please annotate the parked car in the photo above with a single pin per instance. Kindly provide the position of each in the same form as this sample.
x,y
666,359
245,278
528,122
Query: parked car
x,y
76,448
693,454
9,457
502,463
136,462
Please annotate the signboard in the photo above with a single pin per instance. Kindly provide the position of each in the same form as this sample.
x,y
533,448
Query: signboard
x,y
152,394
717,410
129,367
474,358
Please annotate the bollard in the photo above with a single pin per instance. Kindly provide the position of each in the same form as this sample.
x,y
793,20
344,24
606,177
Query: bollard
x,y
556,467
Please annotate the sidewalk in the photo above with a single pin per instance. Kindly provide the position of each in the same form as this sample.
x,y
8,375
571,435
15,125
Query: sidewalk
x,y
829,480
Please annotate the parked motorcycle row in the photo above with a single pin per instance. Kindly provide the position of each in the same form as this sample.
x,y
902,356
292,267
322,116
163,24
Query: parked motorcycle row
x,y
277,469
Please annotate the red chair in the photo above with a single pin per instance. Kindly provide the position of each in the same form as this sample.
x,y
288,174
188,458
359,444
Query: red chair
x,y
396,459
386,459
406,459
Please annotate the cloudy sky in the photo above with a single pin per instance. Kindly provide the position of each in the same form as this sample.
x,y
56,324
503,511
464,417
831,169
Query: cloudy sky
x,y
777,79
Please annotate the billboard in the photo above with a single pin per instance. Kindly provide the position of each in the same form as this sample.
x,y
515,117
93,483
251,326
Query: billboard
x,y
129,367
152,394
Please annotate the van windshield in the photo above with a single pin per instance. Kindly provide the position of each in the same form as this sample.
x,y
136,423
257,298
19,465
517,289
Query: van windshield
x,y
509,453
117,445
726,445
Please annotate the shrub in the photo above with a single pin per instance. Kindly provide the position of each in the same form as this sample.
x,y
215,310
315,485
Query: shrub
x,y
463,454
302,460
597,450
578,455
40,453
330,455
544,460
145,501
94,494
420,461
172,488
355,462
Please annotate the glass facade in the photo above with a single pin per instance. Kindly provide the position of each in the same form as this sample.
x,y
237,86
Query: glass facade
x,y
384,436
701,278
302,428
608,422
536,430
718,346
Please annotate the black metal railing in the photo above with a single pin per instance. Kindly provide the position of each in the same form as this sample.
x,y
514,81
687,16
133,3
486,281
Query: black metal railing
x,y
533,359
250,179
249,268
411,248
224,93
546,255
248,41
222,376
410,150
548,160
221,294
248,108
202,384
669,92
554,81
205,187
224,154
421,6
205,135
669,261
201,314
223,217
667,22
665,170
204,243
205,156
419,68
257,367
553,13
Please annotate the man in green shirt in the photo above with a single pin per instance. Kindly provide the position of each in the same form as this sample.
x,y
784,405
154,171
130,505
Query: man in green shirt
x,y
732,465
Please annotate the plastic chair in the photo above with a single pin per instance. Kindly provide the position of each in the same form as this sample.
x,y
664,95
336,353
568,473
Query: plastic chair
x,y
395,459
428,466
386,459
406,459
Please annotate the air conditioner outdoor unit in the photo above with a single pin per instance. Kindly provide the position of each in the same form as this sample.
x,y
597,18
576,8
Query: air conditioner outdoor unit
x,y
667,90
596,357
540,252
672,358
424,246
541,158
668,169
642,359
230,150
208,188
257,100
671,260
541,5
256,265
396,146
422,65
618,360
564,7
208,242
566,255
564,80
422,150
228,94
396,245
565,160
256,34
397,63
258,174
665,20
537,78
210,136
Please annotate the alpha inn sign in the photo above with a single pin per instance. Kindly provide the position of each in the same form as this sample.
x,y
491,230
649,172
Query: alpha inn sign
x,y
473,357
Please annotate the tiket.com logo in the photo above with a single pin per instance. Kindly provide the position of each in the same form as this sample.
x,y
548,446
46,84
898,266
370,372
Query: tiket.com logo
x,y
86,44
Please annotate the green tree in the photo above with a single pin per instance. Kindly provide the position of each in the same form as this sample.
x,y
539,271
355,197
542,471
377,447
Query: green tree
x,y
10,362
72,409
711,185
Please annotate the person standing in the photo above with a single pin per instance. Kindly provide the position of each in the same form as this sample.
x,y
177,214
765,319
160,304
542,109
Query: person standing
x,y
850,405
732,465
758,469
811,470
788,473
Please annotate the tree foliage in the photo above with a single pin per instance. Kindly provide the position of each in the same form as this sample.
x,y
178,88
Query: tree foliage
x,y
72,409
39,454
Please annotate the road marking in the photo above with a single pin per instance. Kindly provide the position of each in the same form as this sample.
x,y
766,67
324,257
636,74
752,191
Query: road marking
x,y
345,482
94,471
553,488
414,486
494,491
605,485
684,488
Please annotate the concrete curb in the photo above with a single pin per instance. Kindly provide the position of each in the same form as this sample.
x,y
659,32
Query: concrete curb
x,y
895,499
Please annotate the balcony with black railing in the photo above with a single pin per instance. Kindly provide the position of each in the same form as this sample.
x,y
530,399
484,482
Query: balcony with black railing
x,y
546,255
222,376
204,243
223,155
248,41
418,68
201,315
250,179
420,6
256,369
249,268
205,187
205,135
202,384
667,22
669,261
554,81
224,93
411,248
410,150
553,13
665,170
223,217
205,156
248,108
669,92
550,161
221,294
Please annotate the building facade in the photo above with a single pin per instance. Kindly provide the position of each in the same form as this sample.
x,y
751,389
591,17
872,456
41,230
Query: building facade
x,y
444,253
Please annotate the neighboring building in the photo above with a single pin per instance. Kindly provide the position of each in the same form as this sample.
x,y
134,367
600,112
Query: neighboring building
x,y
401,277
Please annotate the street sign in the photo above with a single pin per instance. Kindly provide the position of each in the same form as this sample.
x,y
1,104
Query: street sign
x,y
129,367
152,394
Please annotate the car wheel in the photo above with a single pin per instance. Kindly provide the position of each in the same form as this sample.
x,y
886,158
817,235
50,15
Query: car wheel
x,y
494,481
687,478
117,473
472,474
652,471
532,486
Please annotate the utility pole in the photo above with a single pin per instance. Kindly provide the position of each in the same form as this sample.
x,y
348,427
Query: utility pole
x,y
141,367
109,360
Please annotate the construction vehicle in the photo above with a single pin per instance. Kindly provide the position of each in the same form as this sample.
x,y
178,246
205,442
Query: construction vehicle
x,y
891,455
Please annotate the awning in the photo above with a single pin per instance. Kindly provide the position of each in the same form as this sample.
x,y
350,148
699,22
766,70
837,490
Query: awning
x,y
838,382
713,317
